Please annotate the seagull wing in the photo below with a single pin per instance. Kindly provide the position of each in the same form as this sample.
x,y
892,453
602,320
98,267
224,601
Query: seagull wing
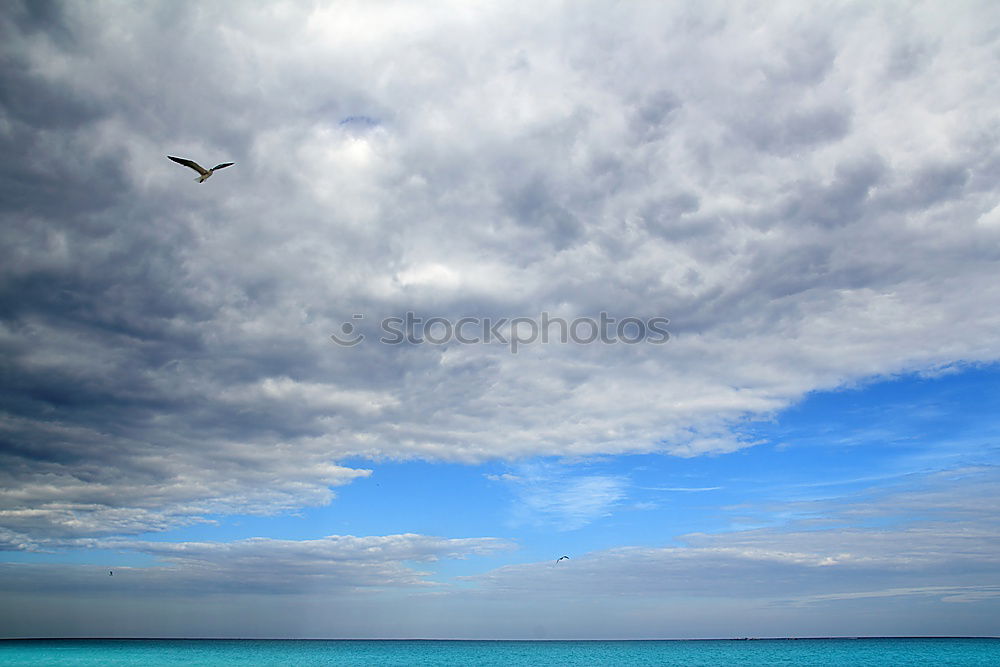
x,y
189,163
223,165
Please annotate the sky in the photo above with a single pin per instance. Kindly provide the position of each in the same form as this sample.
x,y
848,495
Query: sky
x,y
310,396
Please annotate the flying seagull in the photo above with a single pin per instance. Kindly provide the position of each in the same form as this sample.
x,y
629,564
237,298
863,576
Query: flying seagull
x,y
205,173
562,557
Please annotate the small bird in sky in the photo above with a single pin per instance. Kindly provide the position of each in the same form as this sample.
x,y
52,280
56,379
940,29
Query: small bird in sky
x,y
205,173
561,558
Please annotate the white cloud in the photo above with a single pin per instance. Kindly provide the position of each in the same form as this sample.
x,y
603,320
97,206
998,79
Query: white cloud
x,y
258,565
873,569
938,529
558,496
807,193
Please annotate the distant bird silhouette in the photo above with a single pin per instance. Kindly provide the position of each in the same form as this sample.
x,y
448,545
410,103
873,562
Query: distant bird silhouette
x,y
561,558
205,173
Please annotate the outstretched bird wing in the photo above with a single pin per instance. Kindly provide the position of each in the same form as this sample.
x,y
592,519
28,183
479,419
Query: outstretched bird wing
x,y
223,165
189,163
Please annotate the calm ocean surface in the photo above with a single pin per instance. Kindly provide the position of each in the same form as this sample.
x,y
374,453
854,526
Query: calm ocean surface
x,y
806,652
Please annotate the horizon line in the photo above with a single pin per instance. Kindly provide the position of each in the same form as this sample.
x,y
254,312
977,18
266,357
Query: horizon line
x,y
434,639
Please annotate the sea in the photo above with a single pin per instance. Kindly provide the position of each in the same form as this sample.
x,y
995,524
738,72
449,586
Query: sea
x,y
897,652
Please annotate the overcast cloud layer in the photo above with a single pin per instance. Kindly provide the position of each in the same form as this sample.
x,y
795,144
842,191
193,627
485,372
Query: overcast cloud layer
x,y
810,194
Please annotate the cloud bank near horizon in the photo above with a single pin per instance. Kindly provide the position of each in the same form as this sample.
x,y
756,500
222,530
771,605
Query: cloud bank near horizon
x,y
880,562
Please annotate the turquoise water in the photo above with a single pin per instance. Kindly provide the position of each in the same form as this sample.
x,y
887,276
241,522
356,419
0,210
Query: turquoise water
x,y
713,653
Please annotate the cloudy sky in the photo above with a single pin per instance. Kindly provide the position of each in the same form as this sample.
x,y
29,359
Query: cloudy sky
x,y
809,193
